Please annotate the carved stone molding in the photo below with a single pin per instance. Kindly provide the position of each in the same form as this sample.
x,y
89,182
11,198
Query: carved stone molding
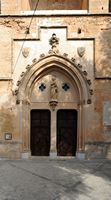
x,y
64,56
89,81
34,60
28,66
42,55
91,91
53,104
17,101
22,74
73,60
26,102
16,91
89,101
18,82
85,73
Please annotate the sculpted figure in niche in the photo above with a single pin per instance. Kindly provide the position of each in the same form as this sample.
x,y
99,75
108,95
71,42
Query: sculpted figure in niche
x,y
53,90
54,41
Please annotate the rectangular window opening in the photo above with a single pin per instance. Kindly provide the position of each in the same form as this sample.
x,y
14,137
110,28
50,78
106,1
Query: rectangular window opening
x,y
109,5
55,5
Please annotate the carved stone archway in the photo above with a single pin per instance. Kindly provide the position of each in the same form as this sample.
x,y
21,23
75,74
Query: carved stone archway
x,y
37,70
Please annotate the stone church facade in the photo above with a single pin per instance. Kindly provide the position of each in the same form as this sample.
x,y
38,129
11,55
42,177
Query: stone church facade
x,y
55,78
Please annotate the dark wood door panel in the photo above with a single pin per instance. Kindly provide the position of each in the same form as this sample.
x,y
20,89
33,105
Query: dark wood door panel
x,y
66,132
40,132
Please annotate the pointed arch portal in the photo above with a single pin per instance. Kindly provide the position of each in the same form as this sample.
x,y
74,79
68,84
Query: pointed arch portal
x,y
77,110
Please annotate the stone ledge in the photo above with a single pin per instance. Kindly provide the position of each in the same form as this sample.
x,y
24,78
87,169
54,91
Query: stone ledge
x,y
73,15
5,79
97,143
54,12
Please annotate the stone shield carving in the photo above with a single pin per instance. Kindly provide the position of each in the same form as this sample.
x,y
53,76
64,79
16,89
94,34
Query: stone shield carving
x,y
25,52
81,51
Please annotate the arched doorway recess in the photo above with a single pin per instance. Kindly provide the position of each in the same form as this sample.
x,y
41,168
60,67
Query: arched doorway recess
x,y
49,66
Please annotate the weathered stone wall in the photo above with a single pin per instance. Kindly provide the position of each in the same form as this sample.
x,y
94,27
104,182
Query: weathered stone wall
x,y
99,6
12,63
7,7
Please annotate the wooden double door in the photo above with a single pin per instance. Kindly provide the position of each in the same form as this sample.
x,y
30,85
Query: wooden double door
x,y
66,137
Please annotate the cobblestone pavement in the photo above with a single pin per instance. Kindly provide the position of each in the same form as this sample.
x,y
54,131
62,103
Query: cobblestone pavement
x,y
61,179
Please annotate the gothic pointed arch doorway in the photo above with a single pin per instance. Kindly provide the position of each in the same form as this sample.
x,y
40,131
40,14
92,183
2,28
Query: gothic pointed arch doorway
x,y
72,97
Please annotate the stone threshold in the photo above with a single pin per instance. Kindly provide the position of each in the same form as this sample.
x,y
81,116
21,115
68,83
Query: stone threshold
x,y
49,158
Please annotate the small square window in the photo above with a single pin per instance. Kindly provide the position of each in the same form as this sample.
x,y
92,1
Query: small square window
x,y
8,136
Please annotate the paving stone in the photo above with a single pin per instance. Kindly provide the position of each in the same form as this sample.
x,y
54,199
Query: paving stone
x,y
44,179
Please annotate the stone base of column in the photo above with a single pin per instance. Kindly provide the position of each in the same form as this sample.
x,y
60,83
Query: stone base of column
x,y
25,155
80,155
53,155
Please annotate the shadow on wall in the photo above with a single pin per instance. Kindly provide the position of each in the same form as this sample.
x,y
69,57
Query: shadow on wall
x,y
7,114
103,64
10,147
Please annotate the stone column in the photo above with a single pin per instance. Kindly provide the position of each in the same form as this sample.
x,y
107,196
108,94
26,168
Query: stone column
x,y
25,129
81,132
53,148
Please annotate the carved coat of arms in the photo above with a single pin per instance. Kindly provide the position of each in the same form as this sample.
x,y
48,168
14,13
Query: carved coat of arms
x,y
81,51
25,52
